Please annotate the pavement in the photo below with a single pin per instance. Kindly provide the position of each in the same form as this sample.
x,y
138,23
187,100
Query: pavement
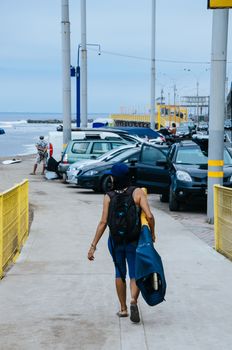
x,y
54,298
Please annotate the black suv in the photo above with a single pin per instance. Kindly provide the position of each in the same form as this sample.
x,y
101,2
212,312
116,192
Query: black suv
x,y
188,166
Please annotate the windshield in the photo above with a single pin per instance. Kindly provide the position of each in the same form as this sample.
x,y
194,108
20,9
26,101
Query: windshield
x,y
191,155
227,158
122,156
195,156
110,154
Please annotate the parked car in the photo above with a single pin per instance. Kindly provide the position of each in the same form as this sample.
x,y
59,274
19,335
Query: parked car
x,y
183,132
188,167
192,127
148,166
143,133
91,146
74,169
93,176
203,126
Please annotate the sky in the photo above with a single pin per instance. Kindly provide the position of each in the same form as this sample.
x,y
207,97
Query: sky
x,y
118,79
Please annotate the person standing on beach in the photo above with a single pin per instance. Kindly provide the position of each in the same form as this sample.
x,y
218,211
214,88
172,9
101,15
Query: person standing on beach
x,y
122,244
42,154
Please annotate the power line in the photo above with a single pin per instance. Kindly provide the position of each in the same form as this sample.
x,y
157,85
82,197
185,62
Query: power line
x,y
164,60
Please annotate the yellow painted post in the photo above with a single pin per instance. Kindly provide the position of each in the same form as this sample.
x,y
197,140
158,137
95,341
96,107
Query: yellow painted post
x,y
216,228
1,235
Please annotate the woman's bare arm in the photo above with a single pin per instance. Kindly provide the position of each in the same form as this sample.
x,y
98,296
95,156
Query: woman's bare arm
x,y
143,203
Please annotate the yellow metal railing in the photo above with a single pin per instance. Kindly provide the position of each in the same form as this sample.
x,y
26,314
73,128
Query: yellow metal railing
x,y
14,223
223,220
165,116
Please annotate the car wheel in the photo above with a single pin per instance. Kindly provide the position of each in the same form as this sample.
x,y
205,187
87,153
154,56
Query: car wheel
x,y
64,177
173,202
106,184
164,197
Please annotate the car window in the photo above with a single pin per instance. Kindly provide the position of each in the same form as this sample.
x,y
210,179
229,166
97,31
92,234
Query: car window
x,y
132,157
100,147
150,155
80,147
190,155
116,144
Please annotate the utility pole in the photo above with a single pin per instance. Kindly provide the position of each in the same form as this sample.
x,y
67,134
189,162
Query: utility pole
x,y
174,97
217,105
161,96
65,26
197,103
153,101
84,104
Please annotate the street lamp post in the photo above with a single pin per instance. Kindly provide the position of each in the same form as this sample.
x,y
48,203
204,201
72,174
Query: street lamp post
x,y
197,93
77,73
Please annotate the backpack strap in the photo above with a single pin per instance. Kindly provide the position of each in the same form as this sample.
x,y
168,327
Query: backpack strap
x,y
131,189
111,194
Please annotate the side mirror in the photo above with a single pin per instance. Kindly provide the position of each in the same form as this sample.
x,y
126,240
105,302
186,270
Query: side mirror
x,y
161,162
133,161
93,157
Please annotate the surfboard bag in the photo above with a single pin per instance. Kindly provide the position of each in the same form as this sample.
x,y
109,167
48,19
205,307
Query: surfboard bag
x,y
149,272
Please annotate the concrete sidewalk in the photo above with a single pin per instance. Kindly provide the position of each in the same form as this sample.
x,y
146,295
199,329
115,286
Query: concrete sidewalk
x,y
54,298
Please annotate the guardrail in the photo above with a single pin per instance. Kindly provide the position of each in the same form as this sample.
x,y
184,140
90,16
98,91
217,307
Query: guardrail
x,y
14,225
223,220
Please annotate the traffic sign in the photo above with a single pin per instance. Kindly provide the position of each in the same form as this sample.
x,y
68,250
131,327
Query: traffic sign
x,y
219,4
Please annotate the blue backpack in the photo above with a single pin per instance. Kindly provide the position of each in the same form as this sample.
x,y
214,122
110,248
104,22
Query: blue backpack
x,y
149,272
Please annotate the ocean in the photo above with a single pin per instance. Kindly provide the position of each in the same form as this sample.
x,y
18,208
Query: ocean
x,y
20,137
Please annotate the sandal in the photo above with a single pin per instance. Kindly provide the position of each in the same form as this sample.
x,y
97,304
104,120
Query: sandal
x,y
122,313
134,313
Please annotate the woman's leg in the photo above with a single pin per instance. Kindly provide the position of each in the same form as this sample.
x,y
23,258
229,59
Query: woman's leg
x,y
130,255
118,255
134,291
121,292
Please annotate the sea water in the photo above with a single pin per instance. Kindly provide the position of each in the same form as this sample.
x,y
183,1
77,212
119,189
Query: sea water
x,y
20,137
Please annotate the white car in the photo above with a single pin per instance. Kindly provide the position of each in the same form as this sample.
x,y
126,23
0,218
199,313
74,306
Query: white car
x,y
74,169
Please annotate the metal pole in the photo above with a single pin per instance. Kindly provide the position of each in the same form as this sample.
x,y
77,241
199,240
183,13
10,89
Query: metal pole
x,y
78,100
152,113
65,26
84,110
217,105
197,103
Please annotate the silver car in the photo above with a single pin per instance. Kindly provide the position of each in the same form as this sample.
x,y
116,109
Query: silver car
x,y
74,169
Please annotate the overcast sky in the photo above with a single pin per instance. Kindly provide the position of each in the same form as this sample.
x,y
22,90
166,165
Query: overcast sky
x,y
30,56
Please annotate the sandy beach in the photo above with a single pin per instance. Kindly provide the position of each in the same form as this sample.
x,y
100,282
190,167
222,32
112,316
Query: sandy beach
x,y
14,173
